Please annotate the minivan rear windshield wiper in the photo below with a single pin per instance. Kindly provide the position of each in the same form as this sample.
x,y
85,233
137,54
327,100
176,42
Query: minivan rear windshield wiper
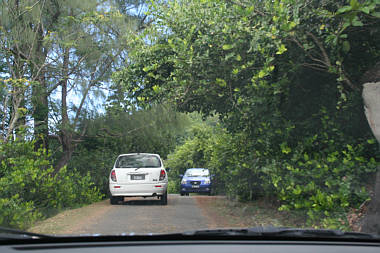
x,y
280,232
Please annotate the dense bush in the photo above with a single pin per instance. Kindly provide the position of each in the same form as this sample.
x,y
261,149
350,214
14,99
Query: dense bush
x,y
190,154
30,189
319,176
323,184
285,79
154,130
16,213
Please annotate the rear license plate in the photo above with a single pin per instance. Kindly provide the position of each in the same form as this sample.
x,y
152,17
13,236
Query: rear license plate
x,y
195,186
137,177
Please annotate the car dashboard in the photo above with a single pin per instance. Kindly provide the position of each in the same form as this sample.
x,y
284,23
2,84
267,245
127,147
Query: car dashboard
x,y
207,245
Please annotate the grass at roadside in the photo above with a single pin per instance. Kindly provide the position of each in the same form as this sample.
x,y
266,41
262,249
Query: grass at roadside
x,y
229,213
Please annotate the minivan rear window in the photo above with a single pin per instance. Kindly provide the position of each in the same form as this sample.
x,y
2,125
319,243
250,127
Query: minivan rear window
x,y
138,161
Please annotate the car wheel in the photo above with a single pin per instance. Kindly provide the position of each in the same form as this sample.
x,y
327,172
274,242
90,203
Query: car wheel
x,y
164,199
182,194
187,194
115,200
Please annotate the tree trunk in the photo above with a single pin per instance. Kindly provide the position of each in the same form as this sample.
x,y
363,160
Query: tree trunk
x,y
40,115
66,133
17,98
68,150
371,95
40,94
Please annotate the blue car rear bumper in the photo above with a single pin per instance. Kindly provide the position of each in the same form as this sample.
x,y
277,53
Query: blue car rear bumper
x,y
187,188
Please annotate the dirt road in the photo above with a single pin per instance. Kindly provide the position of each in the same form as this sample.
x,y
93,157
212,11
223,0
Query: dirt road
x,y
136,215
142,216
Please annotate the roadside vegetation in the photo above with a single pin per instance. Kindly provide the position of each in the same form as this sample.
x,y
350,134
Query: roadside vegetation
x,y
319,185
266,94
31,190
285,80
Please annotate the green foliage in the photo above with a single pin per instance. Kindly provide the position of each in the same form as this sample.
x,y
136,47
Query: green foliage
x,y
316,176
241,60
30,189
50,43
173,186
17,213
191,154
284,79
326,184
153,130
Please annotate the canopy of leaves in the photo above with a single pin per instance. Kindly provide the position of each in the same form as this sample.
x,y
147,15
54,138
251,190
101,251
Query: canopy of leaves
x,y
284,77
147,131
250,61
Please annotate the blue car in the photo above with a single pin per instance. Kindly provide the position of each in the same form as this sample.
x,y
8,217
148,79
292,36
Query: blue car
x,y
196,180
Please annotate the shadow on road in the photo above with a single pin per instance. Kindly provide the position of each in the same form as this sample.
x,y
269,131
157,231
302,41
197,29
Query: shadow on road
x,y
141,202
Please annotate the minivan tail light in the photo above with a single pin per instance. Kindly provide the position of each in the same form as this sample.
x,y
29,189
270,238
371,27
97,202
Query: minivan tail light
x,y
162,175
113,175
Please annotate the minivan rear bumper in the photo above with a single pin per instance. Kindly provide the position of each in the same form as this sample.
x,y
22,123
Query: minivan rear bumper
x,y
138,190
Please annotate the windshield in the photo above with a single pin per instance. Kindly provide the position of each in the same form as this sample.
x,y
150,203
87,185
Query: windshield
x,y
163,116
197,173
138,161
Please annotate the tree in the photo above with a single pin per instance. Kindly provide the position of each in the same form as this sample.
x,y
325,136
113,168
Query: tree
x,y
89,51
71,50
147,131
207,62
286,74
25,55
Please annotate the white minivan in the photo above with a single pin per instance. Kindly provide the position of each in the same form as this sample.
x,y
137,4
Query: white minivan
x,y
138,175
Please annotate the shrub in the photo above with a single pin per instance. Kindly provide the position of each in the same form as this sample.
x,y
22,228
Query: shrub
x,y
17,214
31,189
321,176
173,187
